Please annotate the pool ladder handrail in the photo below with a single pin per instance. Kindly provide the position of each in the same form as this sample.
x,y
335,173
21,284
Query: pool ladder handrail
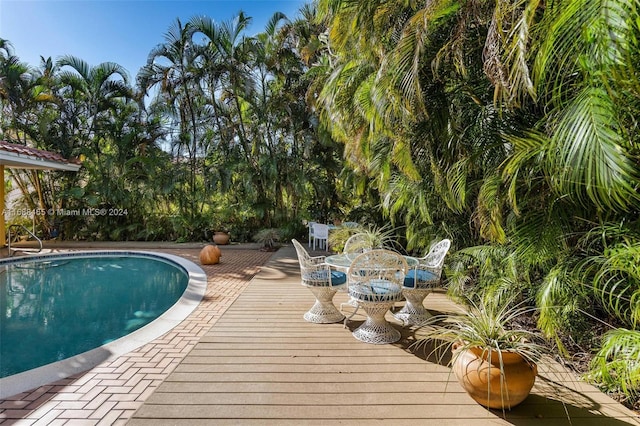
x,y
29,250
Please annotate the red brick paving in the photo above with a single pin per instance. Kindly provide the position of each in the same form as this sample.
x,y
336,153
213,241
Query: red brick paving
x,y
110,393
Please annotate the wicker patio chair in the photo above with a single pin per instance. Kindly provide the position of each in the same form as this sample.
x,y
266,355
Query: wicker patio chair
x,y
357,243
354,246
375,281
420,281
323,283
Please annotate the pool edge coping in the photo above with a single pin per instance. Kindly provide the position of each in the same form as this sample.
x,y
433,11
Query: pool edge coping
x,y
46,374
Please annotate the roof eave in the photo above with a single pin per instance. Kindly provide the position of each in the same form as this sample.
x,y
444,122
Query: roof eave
x,y
12,160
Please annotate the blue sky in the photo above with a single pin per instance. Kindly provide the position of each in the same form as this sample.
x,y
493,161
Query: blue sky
x,y
121,31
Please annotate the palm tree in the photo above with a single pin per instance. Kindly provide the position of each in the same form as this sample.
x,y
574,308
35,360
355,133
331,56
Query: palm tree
x,y
227,57
240,75
17,93
27,104
93,91
171,67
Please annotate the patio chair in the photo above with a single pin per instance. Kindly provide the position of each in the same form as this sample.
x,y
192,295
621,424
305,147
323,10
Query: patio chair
x,y
420,281
357,243
323,283
311,232
321,235
354,246
375,281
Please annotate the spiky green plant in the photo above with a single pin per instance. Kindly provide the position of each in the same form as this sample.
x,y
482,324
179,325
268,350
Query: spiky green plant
x,y
488,329
491,325
379,236
268,237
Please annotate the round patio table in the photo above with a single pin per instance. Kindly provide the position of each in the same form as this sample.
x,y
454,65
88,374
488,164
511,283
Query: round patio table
x,y
342,261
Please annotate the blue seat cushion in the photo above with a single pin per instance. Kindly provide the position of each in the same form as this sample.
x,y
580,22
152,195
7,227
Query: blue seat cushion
x,y
422,276
376,291
338,278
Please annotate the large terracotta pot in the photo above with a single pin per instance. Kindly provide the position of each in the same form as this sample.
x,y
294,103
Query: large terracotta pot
x,y
221,238
210,255
484,381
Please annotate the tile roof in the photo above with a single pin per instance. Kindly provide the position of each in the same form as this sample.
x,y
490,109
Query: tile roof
x,y
35,153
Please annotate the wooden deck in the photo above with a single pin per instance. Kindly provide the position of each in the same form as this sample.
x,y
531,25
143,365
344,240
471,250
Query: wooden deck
x,y
261,363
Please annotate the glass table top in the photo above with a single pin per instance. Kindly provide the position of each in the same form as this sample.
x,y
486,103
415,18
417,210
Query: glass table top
x,y
343,260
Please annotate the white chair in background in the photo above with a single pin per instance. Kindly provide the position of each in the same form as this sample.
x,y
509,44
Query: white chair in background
x,y
311,232
320,236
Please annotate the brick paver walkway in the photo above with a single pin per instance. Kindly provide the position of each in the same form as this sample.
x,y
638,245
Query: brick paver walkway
x,y
110,393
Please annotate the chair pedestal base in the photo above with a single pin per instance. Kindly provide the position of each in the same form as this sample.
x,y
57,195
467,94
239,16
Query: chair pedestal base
x,y
413,312
323,311
376,329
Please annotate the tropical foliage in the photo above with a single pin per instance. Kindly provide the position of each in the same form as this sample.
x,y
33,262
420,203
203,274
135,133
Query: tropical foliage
x,y
215,133
509,127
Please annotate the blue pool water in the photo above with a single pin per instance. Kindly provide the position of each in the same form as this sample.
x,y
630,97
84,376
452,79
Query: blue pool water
x,y
53,309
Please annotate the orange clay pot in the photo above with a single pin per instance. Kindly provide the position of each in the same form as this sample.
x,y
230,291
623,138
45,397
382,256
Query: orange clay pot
x,y
482,380
221,238
210,255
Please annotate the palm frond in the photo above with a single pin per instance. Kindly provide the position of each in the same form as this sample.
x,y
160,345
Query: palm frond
x,y
616,366
591,160
517,52
523,162
538,236
559,298
616,281
406,60
489,210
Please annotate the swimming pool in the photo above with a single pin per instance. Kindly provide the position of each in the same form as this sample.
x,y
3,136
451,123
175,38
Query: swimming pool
x,y
62,314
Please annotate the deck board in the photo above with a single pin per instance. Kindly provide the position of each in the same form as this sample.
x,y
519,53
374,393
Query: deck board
x,y
262,364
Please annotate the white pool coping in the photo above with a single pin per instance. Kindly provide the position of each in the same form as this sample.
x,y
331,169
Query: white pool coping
x,y
193,294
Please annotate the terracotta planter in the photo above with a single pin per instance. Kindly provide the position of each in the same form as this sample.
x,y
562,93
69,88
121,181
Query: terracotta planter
x,y
210,255
484,381
221,238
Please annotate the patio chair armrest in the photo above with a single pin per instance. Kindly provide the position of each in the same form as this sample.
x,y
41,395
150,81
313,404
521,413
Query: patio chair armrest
x,y
320,266
316,260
